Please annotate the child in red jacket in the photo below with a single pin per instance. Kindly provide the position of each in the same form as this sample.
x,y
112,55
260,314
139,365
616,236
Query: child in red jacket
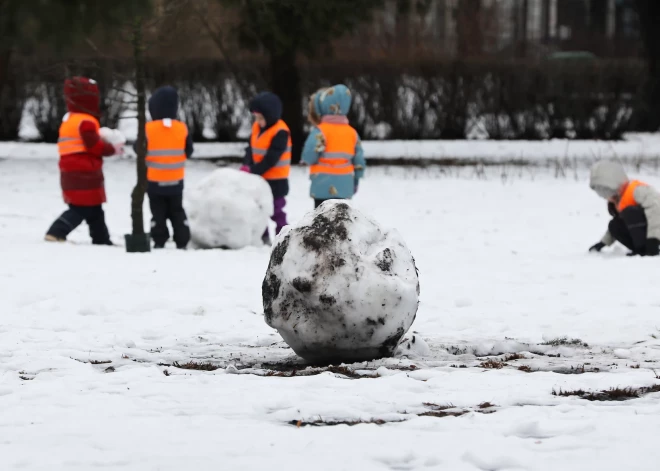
x,y
81,152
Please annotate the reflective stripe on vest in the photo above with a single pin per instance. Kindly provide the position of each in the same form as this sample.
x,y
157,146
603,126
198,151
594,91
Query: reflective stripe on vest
x,y
628,195
260,145
70,141
166,151
340,142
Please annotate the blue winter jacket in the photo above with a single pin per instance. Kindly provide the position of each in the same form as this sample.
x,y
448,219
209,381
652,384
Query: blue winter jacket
x,y
333,101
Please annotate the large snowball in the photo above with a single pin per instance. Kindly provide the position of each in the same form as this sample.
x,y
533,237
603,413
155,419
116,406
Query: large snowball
x,y
339,288
229,209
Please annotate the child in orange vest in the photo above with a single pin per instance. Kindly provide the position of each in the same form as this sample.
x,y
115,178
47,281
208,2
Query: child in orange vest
x,y
635,208
269,153
169,145
333,148
82,150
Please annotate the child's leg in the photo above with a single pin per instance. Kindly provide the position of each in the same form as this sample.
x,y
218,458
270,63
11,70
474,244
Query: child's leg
x,y
159,210
177,215
279,216
629,228
98,231
63,225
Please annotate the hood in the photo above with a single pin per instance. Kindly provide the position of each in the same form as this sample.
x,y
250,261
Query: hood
x,y
333,101
82,96
269,105
607,178
164,103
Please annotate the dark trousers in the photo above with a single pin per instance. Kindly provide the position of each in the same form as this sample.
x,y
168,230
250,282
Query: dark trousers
x,y
74,216
629,229
164,207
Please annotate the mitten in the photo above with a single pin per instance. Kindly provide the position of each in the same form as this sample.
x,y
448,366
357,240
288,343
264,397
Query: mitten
x,y
597,247
245,168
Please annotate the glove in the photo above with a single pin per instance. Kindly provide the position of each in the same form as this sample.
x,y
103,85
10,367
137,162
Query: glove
x,y
597,247
652,247
245,168
611,208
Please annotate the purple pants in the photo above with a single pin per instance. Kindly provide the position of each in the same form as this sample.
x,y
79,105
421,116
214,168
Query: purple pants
x,y
279,216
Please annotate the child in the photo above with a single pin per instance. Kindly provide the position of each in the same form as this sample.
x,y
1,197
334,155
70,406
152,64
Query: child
x,y
169,145
269,153
81,152
333,148
635,208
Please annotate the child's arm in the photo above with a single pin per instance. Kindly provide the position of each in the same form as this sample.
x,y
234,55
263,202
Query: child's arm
x,y
189,146
314,147
277,147
359,162
93,142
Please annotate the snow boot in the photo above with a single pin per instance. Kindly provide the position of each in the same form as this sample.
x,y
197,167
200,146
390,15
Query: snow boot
x,y
266,239
52,238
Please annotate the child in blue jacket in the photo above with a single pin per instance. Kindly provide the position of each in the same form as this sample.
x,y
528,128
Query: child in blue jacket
x,y
333,149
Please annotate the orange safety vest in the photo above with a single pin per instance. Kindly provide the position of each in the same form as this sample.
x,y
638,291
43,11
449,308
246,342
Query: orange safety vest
x,y
628,195
70,141
340,142
166,150
260,145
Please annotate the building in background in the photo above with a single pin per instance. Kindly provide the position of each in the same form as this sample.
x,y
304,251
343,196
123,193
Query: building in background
x,y
507,28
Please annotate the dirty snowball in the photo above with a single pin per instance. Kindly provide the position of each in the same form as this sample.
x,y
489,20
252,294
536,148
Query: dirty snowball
x,y
339,288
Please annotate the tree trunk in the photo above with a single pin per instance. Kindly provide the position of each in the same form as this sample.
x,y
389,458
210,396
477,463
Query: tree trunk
x,y
137,196
649,15
285,82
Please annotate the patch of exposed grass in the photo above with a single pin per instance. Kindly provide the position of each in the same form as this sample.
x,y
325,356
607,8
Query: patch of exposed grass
x,y
167,373
566,342
438,407
193,365
612,394
576,370
333,423
444,413
525,368
635,367
100,362
486,405
339,370
514,356
492,364
458,366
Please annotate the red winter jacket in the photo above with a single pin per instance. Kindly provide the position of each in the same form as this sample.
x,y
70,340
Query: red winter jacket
x,y
81,173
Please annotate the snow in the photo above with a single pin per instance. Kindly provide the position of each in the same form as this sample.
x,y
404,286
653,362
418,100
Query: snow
x,y
503,267
228,209
635,148
339,287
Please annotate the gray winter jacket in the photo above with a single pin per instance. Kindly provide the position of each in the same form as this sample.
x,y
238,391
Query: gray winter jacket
x,y
607,179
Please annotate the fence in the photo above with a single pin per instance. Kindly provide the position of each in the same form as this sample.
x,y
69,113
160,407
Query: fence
x,y
447,100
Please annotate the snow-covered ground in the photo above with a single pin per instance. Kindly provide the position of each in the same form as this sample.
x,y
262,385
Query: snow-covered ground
x,y
89,337
634,148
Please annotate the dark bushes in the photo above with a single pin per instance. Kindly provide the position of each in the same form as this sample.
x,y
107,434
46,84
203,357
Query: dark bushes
x,y
451,100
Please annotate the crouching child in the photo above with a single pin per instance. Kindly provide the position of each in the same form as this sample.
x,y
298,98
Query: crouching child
x,y
634,207
333,149
169,145
269,153
81,151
